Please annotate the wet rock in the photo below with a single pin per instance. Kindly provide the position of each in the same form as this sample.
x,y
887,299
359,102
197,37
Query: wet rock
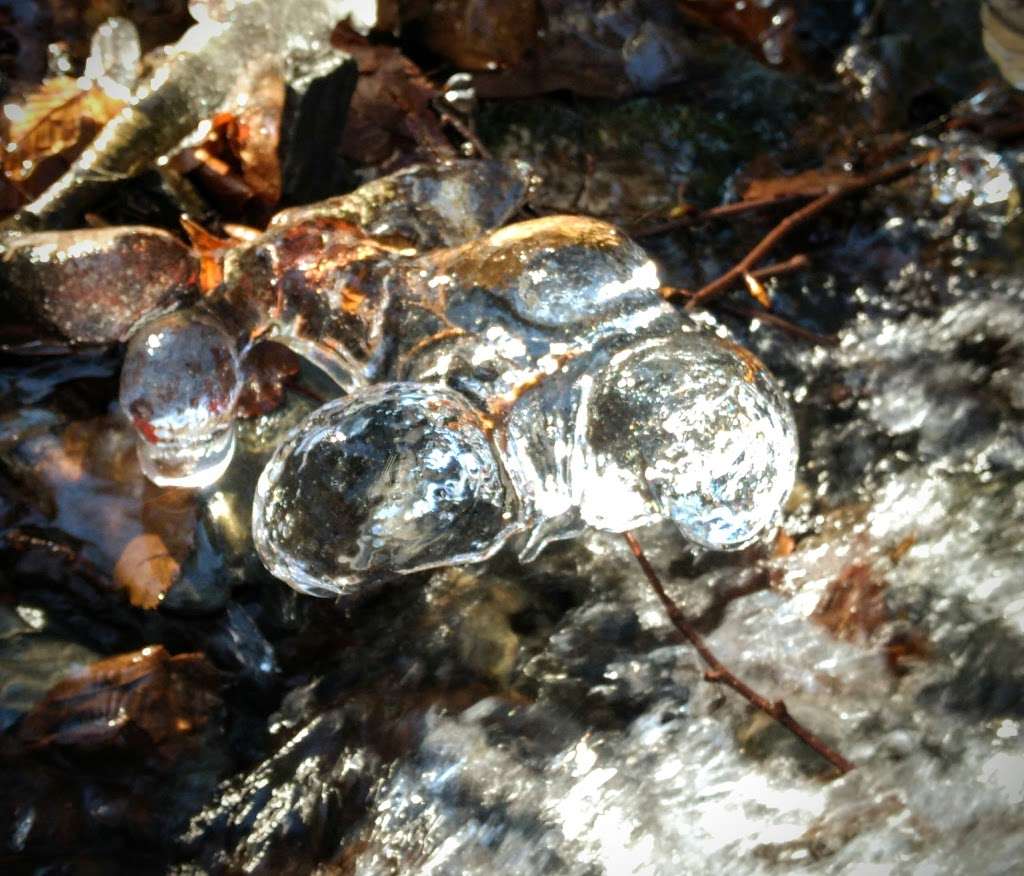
x,y
292,811
312,118
32,659
91,287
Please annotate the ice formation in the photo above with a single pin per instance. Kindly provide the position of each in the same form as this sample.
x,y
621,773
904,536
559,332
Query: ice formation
x,y
518,387
209,68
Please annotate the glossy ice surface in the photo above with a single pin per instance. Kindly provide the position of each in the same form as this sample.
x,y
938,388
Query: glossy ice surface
x,y
208,69
515,388
179,385
405,478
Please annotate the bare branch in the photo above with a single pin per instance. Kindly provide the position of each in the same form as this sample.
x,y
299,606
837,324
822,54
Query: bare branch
x,y
718,673
798,217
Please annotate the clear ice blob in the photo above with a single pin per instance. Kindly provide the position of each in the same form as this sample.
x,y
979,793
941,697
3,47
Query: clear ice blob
x,y
179,386
706,431
428,205
516,389
556,269
394,479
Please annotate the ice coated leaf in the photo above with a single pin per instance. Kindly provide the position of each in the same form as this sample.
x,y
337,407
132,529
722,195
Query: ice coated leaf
x,y
165,698
57,118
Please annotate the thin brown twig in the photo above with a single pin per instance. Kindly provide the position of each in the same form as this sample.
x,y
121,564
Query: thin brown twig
x,y
25,541
795,263
465,131
696,217
774,319
718,673
765,316
796,218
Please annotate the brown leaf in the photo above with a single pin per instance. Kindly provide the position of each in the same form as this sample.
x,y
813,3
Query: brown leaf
x,y
268,369
255,135
810,183
58,118
210,250
906,647
392,107
853,607
166,698
784,544
481,34
237,162
146,570
766,27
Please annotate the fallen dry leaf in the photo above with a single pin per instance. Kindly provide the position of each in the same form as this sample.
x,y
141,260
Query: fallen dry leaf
x,y
481,34
166,698
392,108
784,544
766,26
904,649
59,118
268,369
809,183
254,136
146,570
239,157
853,607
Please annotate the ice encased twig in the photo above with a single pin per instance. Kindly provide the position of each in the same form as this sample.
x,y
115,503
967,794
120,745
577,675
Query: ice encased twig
x,y
314,282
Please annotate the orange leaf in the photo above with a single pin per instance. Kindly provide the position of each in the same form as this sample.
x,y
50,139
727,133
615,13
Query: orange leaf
x,y
853,606
257,131
146,570
57,117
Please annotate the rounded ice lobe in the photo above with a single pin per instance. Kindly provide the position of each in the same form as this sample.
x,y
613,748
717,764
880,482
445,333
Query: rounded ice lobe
x,y
558,269
711,436
397,478
179,385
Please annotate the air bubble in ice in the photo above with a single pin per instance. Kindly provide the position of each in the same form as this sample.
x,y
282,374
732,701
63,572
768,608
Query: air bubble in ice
x,y
179,386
